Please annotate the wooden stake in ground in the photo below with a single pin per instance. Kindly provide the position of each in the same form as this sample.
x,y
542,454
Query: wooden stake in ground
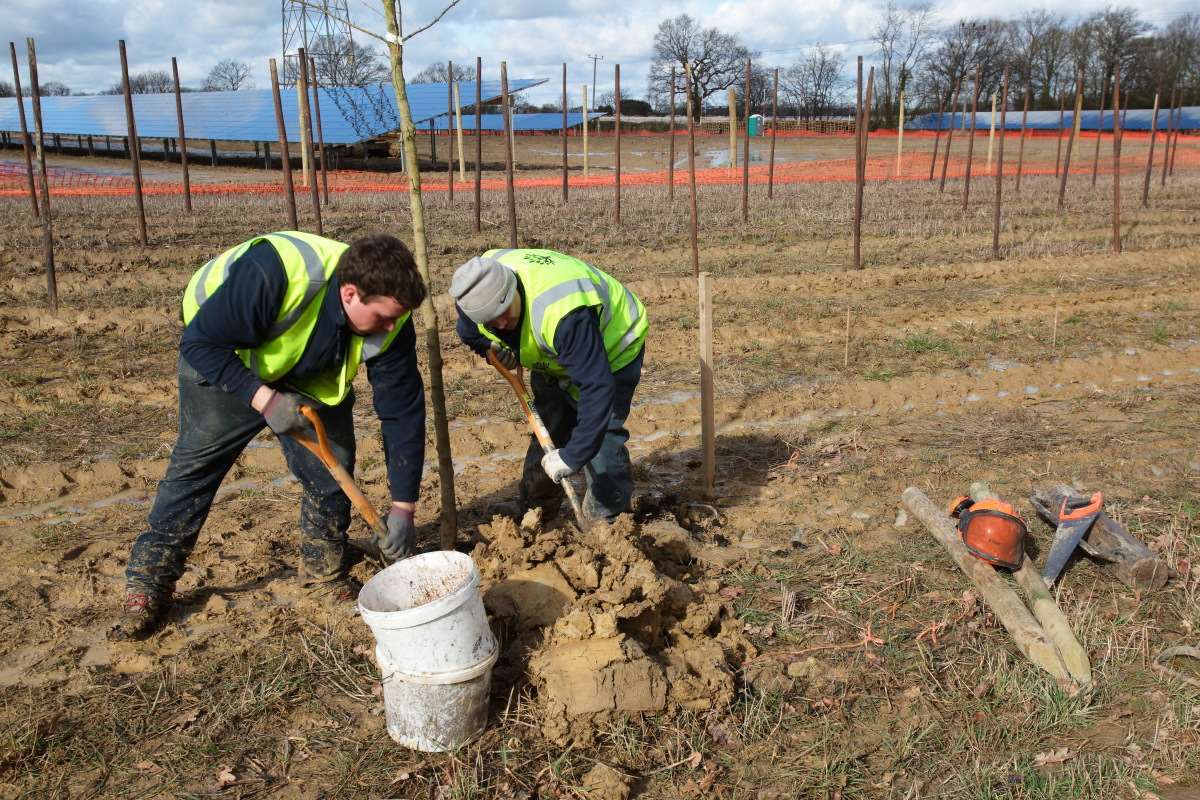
x,y
731,101
307,137
1062,111
1075,122
971,140
856,224
1150,154
617,143
900,136
285,158
950,134
1099,135
564,135
135,151
462,155
708,421
585,133
937,137
25,145
774,130
746,147
47,216
1178,121
695,215
508,155
449,133
1116,207
429,317
478,140
1170,132
324,156
187,184
991,132
999,167
671,143
1021,149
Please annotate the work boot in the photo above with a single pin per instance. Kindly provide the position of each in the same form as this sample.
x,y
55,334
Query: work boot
x,y
340,592
140,616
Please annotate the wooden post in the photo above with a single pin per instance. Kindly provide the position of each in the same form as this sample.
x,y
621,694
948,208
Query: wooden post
x,y
212,148
1116,213
135,151
585,132
1021,149
1170,132
187,182
285,158
39,147
1099,135
937,137
478,139
671,143
1066,170
708,421
324,156
774,127
731,102
512,131
950,134
307,136
1062,111
462,156
266,155
617,139
900,136
999,167
437,394
971,140
856,225
1178,122
746,147
992,132
450,132
25,143
508,157
565,188
695,214
305,139
1150,154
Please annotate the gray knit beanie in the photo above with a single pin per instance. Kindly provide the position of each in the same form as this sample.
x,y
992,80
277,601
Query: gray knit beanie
x,y
483,288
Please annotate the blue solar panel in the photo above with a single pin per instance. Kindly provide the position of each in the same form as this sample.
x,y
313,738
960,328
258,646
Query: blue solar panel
x,y
348,115
1133,120
550,121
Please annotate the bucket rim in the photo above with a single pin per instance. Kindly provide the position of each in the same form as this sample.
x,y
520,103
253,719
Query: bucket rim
x,y
426,612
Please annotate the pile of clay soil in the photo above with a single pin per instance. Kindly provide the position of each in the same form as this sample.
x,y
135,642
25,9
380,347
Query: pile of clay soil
x,y
622,619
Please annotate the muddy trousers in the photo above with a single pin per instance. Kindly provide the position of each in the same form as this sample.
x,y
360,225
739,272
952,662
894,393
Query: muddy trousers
x,y
609,474
214,428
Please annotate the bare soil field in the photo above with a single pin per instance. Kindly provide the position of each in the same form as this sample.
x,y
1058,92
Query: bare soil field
x,y
812,643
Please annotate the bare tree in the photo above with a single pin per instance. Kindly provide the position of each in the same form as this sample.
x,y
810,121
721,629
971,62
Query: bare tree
x,y
814,85
959,48
228,75
717,60
52,89
1114,33
1036,52
1180,45
152,81
343,62
436,73
901,38
6,89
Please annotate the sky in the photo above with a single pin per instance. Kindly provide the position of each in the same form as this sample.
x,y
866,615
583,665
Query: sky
x,y
77,41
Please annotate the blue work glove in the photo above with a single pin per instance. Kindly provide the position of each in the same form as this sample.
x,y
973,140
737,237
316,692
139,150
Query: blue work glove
x,y
400,534
505,355
282,413
555,467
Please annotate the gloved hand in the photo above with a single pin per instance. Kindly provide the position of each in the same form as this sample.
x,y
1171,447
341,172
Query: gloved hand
x,y
505,355
555,467
401,531
282,413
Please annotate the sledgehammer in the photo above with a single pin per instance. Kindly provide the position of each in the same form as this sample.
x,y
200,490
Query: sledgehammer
x,y
540,431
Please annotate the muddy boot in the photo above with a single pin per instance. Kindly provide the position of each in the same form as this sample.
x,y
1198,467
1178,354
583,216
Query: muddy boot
x,y
339,593
140,616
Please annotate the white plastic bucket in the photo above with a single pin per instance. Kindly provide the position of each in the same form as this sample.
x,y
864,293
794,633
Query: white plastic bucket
x,y
427,616
430,713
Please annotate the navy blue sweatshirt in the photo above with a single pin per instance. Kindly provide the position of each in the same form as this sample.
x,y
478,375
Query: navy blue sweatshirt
x,y
580,348
239,314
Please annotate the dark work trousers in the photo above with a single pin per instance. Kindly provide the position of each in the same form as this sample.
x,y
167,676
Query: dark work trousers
x,y
214,428
609,474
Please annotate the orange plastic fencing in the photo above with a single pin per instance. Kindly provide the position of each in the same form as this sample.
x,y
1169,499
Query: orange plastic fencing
x,y
914,166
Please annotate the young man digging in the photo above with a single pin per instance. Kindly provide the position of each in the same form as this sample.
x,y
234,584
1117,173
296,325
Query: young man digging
x,y
276,323
583,336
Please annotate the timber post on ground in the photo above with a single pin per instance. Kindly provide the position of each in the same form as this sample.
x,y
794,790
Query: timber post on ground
x,y
774,130
25,142
478,140
565,188
746,147
458,131
306,129
508,157
708,425
586,172
305,138
950,134
35,95
731,101
670,142
1170,132
1116,204
617,144
1000,167
1099,134
971,140
321,153
856,223
1062,111
285,159
992,132
135,150
900,136
937,138
1021,148
1150,154
450,133
1075,121
694,211
187,184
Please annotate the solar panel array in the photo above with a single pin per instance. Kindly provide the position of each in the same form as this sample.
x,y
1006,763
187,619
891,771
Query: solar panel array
x,y
1131,120
550,121
348,115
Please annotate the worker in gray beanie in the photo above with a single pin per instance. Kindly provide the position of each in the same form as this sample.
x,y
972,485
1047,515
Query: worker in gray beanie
x,y
582,335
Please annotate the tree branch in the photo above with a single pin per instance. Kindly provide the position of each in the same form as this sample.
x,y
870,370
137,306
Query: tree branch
x,y
434,21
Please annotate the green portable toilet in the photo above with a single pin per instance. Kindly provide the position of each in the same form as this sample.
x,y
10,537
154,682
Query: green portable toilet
x,y
756,124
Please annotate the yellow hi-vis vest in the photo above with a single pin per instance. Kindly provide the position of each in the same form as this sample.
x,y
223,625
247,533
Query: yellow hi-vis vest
x,y
308,261
557,284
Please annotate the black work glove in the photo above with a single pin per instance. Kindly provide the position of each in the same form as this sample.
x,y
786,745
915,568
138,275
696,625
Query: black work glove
x,y
400,534
282,413
505,355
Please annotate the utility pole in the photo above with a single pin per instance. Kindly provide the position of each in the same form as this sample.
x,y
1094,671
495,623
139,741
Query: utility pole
x,y
594,60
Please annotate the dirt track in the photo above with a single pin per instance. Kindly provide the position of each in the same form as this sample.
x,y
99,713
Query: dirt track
x,y
1061,362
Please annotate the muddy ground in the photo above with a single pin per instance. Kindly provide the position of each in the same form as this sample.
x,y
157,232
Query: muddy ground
x,y
855,659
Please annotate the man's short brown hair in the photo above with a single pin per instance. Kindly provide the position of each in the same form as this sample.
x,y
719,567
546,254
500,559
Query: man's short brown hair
x,y
381,265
